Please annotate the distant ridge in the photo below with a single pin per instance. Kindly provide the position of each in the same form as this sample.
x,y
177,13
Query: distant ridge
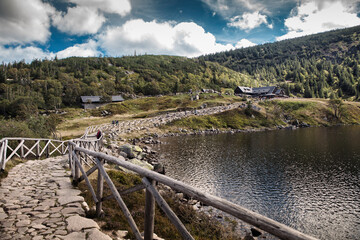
x,y
318,65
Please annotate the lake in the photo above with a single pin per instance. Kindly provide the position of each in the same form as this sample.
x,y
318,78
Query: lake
x,y
308,179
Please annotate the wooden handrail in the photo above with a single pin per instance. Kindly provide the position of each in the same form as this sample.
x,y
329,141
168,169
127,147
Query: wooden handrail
x,y
76,146
273,227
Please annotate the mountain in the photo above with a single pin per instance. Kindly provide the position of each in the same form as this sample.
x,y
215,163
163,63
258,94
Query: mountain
x,y
321,65
50,84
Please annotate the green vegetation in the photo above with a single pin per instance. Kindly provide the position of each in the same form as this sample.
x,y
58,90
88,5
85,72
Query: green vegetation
x,y
325,65
234,119
276,112
165,103
200,226
74,122
26,88
39,126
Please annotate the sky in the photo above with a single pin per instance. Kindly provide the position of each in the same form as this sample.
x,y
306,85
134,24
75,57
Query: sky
x,y
39,29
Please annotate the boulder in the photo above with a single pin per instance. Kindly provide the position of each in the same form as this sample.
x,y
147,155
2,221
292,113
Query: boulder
x,y
137,149
131,151
128,150
121,153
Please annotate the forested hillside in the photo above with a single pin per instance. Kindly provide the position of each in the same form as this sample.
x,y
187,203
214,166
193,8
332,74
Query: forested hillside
x,y
50,84
322,65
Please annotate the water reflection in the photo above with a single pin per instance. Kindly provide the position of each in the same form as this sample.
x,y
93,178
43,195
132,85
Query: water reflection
x,y
307,179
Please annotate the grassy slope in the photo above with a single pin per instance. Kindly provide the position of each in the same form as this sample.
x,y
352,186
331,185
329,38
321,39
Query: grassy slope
x,y
311,111
201,227
76,120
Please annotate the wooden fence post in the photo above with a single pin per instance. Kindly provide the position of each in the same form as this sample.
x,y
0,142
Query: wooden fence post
x,y
149,214
2,155
5,154
77,170
167,210
70,158
22,149
47,154
99,192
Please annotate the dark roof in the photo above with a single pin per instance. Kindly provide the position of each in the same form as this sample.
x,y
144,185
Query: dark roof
x,y
117,98
260,91
245,89
96,99
263,90
88,99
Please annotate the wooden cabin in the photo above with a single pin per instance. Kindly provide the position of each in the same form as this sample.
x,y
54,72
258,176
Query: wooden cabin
x,y
91,102
268,92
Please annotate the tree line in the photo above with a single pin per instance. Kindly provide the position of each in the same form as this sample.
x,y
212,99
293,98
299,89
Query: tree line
x,y
325,65
51,84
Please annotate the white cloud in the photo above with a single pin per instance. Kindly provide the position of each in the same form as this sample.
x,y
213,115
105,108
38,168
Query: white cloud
x,y
19,53
318,16
79,21
249,21
229,7
87,17
88,49
120,7
23,53
24,21
185,39
244,43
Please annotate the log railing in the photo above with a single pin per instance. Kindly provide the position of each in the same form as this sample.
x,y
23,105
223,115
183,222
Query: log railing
x,y
29,147
78,154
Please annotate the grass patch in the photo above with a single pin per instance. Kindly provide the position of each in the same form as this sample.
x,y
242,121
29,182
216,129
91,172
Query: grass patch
x,y
233,119
200,226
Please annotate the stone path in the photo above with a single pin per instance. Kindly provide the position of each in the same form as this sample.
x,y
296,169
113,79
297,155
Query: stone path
x,y
38,201
143,124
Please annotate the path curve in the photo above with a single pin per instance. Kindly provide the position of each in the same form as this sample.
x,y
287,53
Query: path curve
x,y
38,201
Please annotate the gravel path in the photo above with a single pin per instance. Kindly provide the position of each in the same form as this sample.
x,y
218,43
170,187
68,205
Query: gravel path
x,y
38,201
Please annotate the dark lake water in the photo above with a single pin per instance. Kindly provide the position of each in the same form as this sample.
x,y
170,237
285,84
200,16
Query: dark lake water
x,y
308,179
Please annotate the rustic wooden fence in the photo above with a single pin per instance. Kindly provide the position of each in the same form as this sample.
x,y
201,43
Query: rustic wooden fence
x,y
29,147
37,148
93,129
78,155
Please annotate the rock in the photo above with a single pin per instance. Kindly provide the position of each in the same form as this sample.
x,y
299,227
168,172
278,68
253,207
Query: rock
x,y
85,206
137,149
39,226
71,199
128,150
158,167
68,192
141,163
74,236
3,216
121,153
179,195
121,234
141,156
77,223
23,223
95,234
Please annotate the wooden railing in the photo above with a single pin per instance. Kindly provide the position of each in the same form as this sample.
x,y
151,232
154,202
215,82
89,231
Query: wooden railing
x,y
85,150
29,147
77,156
93,129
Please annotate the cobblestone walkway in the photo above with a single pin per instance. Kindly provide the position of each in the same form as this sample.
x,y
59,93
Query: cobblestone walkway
x,y
37,201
